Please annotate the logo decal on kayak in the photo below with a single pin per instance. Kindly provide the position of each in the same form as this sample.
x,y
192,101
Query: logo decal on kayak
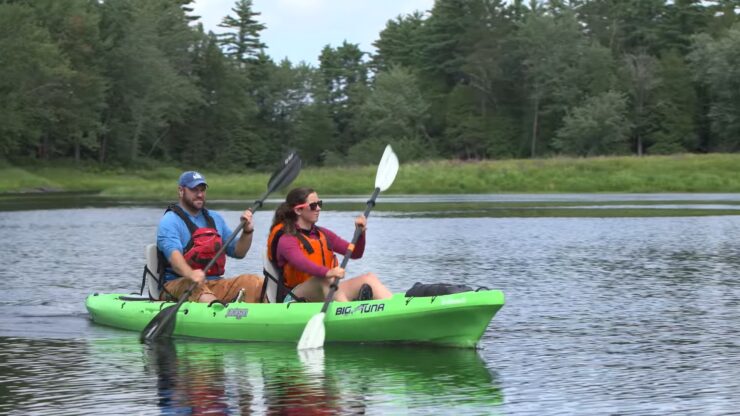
x,y
237,313
364,308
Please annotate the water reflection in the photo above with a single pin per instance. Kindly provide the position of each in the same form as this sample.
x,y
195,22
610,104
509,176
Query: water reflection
x,y
198,377
120,375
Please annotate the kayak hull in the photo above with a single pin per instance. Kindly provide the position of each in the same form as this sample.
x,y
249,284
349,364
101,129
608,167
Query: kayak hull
x,y
457,320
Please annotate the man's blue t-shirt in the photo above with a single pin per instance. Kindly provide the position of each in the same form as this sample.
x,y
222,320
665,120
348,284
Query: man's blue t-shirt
x,y
173,234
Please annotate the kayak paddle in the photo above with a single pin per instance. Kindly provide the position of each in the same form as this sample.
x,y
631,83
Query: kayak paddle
x,y
314,333
163,324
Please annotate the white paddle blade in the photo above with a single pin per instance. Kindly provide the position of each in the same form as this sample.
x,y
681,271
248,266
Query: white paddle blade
x,y
314,333
312,361
387,169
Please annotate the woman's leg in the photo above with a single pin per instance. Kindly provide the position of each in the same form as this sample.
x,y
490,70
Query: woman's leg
x,y
350,288
313,289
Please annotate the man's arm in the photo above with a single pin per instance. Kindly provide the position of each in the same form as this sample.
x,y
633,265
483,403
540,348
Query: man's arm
x,y
169,241
245,239
181,267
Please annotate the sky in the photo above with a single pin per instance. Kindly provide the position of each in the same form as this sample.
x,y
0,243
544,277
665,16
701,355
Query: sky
x,y
299,29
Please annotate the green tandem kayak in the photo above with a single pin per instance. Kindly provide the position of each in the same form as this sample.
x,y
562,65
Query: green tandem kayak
x,y
457,320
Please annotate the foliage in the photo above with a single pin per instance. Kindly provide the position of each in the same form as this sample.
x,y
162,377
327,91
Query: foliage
x,y
138,82
598,127
717,65
676,173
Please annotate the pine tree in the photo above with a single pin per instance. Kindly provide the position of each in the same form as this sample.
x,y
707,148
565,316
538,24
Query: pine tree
x,y
242,40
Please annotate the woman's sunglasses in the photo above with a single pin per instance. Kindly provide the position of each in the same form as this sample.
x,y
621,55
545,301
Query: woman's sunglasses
x,y
313,205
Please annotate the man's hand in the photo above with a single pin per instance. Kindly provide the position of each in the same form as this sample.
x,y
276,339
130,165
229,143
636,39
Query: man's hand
x,y
247,218
198,276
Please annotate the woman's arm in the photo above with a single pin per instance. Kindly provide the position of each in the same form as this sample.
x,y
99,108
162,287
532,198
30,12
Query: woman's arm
x,y
339,245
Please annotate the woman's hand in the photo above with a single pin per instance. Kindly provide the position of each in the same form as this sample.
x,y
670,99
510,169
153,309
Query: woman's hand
x,y
335,273
361,223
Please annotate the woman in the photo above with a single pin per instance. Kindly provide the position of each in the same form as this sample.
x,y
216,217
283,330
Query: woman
x,y
305,253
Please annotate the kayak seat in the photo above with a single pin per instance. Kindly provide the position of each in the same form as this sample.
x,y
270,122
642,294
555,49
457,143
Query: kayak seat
x,y
273,288
273,281
152,277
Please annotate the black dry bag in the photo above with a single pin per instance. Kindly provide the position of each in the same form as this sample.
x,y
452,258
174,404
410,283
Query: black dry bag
x,y
435,289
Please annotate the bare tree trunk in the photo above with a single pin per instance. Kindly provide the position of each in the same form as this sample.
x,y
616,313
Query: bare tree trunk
x,y
43,151
103,148
535,125
135,140
77,152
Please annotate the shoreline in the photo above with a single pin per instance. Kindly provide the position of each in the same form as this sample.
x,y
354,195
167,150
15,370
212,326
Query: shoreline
x,y
687,173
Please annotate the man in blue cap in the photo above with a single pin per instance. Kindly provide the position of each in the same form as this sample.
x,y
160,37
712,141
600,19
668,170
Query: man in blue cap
x,y
189,236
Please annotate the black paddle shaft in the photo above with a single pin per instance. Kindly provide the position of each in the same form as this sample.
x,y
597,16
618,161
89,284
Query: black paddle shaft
x,y
350,248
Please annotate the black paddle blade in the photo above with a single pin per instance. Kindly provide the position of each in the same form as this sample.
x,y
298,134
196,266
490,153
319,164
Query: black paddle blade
x,y
162,325
291,167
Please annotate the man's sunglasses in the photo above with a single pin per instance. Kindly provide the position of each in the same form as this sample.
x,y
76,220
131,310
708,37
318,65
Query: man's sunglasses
x,y
313,205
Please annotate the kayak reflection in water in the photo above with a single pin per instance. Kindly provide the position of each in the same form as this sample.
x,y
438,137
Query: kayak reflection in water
x,y
192,379
185,388
305,253
236,378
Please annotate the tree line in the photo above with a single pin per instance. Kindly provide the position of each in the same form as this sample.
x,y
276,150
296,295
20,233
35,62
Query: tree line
x,y
140,81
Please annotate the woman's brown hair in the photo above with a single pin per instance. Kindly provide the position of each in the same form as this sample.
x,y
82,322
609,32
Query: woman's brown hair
x,y
284,213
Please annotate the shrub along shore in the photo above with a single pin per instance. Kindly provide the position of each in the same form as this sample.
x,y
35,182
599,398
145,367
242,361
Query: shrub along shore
x,y
676,173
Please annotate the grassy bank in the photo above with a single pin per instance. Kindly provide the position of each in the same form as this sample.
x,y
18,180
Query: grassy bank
x,y
678,173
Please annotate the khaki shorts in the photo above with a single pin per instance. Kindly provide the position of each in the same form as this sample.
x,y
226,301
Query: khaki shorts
x,y
226,290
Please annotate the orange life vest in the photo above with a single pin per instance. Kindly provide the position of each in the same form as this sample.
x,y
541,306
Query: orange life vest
x,y
317,250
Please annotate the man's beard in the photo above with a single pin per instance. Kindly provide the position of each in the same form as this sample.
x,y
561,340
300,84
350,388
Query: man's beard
x,y
191,206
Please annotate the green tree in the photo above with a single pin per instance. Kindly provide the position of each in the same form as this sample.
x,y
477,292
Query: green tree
x,y
345,75
242,42
399,43
217,131
35,80
396,111
642,82
560,66
396,107
149,91
682,19
677,107
598,127
448,37
315,134
74,25
724,14
625,26
716,64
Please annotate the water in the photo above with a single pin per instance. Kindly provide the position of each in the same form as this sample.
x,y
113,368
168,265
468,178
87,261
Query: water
x,y
603,316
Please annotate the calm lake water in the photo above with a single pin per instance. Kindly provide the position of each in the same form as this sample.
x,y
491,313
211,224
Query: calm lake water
x,y
612,315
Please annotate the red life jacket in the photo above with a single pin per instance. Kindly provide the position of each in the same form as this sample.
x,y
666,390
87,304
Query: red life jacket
x,y
204,243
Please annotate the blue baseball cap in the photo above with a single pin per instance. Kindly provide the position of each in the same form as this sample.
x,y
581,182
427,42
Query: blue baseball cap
x,y
191,179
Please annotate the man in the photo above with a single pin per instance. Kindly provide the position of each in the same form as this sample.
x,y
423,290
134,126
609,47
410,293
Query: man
x,y
189,236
